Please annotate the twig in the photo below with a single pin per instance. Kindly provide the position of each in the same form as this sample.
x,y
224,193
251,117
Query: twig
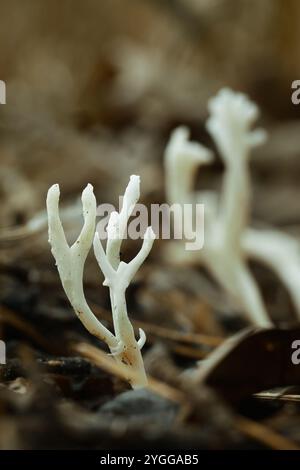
x,y
265,435
283,396
167,333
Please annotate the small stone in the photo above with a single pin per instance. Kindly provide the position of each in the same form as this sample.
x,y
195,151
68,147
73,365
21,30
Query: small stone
x,y
141,405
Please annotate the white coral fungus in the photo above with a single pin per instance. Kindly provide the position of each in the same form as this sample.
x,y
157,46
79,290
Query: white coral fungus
x,y
70,262
228,239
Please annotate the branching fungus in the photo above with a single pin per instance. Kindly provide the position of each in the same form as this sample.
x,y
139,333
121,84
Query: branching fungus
x,y
70,262
227,239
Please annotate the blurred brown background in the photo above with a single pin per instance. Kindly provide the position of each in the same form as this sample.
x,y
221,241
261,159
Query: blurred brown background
x,y
94,88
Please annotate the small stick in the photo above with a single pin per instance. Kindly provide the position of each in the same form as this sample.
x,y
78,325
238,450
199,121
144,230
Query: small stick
x,y
265,435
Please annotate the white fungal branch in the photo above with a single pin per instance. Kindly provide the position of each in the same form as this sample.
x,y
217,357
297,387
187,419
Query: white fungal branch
x,y
280,252
229,124
182,158
70,260
118,275
231,118
117,224
119,279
